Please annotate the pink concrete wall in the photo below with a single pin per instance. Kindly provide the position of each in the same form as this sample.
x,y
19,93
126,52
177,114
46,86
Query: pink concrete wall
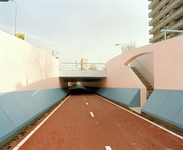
x,y
26,67
147,62
167,62
167,68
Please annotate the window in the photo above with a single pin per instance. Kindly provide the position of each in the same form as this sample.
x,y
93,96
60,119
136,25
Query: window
x,y
167,26
161,39
167,15
160,10
168,36
161,19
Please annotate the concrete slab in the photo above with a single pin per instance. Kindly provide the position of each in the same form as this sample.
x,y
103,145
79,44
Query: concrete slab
x,y
82,75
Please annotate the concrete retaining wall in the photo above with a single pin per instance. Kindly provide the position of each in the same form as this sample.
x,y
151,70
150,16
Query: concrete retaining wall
x,y
166,105
19,108
125,96
23,64
30,83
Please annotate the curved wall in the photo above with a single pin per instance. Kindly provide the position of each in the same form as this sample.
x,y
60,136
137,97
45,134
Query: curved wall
x,y
166,102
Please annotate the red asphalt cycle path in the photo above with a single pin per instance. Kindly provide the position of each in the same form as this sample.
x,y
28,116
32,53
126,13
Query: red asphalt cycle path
x,y
86,121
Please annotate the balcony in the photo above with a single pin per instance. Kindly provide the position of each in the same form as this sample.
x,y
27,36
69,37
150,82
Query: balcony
x,y
178,25
175,15
153,39
152,4
150,31
174,4
158,8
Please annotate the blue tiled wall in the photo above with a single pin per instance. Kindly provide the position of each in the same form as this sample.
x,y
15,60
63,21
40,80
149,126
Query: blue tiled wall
x,y
125,96
166,105
19,108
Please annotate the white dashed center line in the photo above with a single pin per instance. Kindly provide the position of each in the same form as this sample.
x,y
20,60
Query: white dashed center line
x,y
92,114
108,148
86,103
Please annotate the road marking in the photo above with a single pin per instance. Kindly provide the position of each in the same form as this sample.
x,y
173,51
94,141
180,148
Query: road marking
x,y
84,97
108,148
179,136
31,133
92,114
86,103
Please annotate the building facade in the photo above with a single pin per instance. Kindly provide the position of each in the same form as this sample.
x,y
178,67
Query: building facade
x,y
165,14
84,65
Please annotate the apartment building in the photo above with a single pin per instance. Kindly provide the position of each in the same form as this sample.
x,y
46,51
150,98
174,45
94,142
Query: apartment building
x,y
165,14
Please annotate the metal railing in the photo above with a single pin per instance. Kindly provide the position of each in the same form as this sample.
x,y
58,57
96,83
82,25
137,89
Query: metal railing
x,y
144,68
176,31
82,66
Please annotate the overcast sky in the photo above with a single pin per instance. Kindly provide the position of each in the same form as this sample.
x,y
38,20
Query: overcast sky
x,y
79,28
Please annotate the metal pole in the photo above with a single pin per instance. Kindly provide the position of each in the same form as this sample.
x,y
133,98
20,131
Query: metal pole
x,y
121,47
165,35
15,13
15,16
178,31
